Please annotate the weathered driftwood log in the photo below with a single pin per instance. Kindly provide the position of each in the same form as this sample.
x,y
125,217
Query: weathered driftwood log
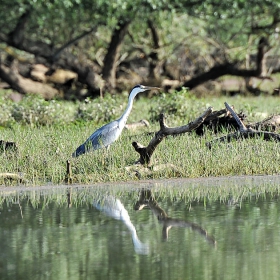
x,y
219,120
271,123
244,131
147,152
25,85
13,176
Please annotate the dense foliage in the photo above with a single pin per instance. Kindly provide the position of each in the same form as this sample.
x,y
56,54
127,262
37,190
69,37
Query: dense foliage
x,y
190,37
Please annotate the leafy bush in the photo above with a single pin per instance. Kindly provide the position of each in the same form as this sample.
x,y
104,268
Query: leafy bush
x,y
100,110
6,119
34,110
176,106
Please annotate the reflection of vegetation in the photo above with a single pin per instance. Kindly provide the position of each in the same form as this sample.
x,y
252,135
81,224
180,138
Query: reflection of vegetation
x,y
198,190
42,237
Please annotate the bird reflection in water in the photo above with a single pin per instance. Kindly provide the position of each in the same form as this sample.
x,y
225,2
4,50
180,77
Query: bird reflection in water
x,y
146,199
113,207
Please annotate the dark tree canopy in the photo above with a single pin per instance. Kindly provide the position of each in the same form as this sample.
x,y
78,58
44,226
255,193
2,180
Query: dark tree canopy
x,y
83,48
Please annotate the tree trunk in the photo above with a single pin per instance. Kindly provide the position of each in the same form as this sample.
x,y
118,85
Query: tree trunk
x,y
24,85
231,69
17,35
110,60
154,53
261,61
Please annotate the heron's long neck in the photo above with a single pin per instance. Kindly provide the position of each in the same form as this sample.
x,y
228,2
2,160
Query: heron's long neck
x,y
127,111
129,224
132,230
139,247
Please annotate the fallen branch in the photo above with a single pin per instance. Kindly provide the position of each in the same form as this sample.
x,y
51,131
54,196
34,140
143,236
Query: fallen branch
x,y
216,122
12,176
141,171
271,123
147,152
135,125
244,132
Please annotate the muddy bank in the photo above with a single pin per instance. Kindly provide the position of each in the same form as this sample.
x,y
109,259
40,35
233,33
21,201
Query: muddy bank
x,y
180,182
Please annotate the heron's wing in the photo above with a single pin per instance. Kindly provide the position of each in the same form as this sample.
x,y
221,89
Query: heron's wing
x,y
105,135
102,137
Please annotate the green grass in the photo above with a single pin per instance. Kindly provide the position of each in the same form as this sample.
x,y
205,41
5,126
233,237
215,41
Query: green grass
x,y
44,149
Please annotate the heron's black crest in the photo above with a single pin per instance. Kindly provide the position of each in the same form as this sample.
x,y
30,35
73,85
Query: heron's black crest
x,y
137,86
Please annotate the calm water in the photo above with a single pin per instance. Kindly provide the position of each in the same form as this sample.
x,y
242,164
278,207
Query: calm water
x,y
213,230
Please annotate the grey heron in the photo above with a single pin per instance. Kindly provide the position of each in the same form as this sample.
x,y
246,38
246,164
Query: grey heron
x,y
109,133
112,207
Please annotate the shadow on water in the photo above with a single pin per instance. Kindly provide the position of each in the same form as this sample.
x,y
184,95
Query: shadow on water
x,y
124,231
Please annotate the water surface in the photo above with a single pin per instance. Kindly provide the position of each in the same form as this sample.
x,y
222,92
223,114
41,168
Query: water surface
x,y
225,229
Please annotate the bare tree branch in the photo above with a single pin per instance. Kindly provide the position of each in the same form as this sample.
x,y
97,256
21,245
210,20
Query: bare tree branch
x,y
24,85
57,54
231,69
147,152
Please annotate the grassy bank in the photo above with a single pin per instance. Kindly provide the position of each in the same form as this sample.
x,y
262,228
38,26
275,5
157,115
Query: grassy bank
x,y
44,149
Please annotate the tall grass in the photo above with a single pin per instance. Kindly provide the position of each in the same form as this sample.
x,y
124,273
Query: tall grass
x,y
44,149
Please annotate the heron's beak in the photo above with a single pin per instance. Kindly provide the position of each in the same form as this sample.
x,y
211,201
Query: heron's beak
x,y
149,88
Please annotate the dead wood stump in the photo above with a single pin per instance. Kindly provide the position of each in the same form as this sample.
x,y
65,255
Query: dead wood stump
x,y
147,152
5,146
219,120
244,131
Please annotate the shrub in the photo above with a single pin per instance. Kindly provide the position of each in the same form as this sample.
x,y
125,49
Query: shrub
x,y
176,106
100,110
34,110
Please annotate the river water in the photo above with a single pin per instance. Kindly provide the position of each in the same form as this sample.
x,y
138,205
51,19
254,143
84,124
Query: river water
x,y
226,228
